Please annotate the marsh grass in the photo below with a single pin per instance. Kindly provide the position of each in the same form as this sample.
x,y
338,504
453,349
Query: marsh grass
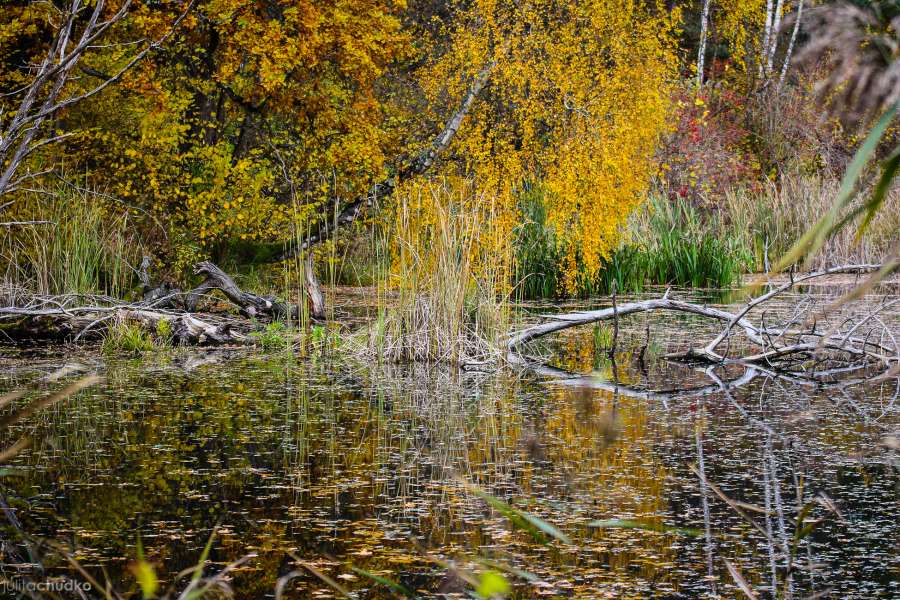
x,y
86,246
683,247
274,336
666,243
127,338
770,222
441,300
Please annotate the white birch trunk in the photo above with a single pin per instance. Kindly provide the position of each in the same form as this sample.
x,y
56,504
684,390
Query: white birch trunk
x,y
767,31
701,53
790,49
773,37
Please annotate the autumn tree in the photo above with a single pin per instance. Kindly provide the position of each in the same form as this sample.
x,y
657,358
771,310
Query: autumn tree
x,y
259,119
46,50
575,101
253,117
760,44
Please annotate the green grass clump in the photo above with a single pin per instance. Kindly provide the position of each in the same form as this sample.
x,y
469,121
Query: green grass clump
x,y
127,338
671,243
274,336
82,244
686,250
539,272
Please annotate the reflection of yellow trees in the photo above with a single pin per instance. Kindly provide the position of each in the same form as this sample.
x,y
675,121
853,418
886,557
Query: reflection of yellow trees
x,y
604,445
291,460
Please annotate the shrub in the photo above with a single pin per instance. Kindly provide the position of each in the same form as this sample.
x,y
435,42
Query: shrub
x,y
125,337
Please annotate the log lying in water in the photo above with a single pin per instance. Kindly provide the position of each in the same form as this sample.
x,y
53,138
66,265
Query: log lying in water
x,y
61,324
71,318
785,346
250,305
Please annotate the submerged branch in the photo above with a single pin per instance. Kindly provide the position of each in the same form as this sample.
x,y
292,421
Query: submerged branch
x,y
785,351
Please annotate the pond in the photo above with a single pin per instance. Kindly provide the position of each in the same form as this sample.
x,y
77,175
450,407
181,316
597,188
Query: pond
x,y
341,465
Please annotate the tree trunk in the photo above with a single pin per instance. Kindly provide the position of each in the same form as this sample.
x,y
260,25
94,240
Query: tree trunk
x,y
314,293
701,53
250,305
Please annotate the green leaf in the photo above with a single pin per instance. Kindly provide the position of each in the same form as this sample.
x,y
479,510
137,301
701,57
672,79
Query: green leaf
x,y
499,566
628,524
815,237
492,584
888,172
198,572
523,520
392,585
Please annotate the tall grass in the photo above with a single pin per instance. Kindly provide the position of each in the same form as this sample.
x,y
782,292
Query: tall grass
x,y
538,273
667,243
86,246
440,300
771,221
683,247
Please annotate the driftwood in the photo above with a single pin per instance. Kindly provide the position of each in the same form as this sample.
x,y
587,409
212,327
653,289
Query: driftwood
x,y
250,305
42,321
76,317
863,340
313,290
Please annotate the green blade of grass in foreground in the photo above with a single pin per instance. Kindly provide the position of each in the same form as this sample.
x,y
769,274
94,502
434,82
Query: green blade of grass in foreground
x,y
533,525
815,237
392,585
629,524
889,169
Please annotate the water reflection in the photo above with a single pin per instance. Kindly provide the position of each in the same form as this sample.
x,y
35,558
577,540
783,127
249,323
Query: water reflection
x,y
347,464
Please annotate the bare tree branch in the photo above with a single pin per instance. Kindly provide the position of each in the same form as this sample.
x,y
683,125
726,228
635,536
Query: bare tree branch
x,y
41,97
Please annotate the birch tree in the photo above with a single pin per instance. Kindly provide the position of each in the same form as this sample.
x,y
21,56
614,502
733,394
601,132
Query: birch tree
x,y
78,30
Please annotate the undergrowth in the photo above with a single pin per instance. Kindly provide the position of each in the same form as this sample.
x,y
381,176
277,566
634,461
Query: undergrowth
x,y
668,243
440,300
127,338
78,245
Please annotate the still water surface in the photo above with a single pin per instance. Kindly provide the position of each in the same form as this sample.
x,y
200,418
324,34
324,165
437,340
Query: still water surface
x,y
347,464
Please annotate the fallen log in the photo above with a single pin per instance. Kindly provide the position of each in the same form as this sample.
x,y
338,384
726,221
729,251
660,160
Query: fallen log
x,y
249,305
65,325
775,347
72,318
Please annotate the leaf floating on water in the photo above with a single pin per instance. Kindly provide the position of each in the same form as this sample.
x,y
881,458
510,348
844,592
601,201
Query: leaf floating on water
x,y
629,524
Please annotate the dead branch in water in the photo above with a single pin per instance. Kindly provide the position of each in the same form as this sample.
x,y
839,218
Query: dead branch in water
x,y
73,317
786,347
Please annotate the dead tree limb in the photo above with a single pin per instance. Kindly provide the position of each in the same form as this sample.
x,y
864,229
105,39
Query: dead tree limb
x,y
565,321
61,324
250,305
71,318
779,347
313,290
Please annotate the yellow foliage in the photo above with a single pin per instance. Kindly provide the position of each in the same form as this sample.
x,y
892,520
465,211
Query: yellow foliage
x,y
577,99
251,121
739,22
